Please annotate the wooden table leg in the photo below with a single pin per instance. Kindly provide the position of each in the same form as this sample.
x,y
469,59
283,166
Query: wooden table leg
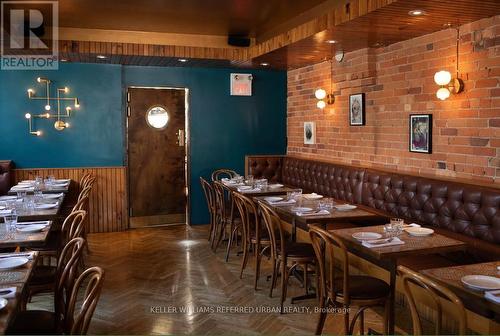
x,y
391,315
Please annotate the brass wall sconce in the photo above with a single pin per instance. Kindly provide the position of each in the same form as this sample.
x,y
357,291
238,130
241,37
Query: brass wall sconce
x,y
323,97
447,84
59,123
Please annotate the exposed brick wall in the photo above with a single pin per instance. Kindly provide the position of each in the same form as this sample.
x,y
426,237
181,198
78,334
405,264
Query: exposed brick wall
x,y
399,80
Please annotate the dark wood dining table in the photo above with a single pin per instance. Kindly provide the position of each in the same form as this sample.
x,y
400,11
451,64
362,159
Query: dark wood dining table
x,y
46,190
288,214
40,214
263,192
388,257
473,300
25,239
18,278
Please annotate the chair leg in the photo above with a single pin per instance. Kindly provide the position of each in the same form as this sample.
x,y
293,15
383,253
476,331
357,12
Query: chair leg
x,y
346,320
306,274
362,323
386,316
322,316
245,257
222,234
258,258
284,283
360,314
232,231
276,265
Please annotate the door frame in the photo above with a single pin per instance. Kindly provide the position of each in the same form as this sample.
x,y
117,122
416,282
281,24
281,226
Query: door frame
x,y
187,146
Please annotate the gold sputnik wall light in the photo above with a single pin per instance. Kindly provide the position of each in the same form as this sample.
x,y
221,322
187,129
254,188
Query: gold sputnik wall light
x,y
449,85
59,124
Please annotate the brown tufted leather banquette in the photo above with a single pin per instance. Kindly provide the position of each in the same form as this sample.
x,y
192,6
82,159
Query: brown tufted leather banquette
x,y
465,211
6,176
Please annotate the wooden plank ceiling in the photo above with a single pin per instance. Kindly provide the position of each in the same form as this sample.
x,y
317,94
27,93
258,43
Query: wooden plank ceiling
x,y
354,24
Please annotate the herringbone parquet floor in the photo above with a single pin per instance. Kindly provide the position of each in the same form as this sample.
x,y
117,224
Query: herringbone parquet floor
x,y
152,274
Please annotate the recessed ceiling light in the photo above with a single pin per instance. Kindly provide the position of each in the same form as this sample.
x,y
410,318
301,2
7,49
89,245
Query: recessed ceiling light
x,y
331,41
264,64
63,60
416,12
183,60
101,57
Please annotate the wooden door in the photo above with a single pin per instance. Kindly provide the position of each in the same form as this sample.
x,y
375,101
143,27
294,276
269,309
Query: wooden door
x,y
156,156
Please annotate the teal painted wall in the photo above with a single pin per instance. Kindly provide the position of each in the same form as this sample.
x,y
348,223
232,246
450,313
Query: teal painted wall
x,y
223,128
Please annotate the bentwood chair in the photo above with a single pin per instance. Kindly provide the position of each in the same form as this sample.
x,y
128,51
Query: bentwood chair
x,y
221,173
344,289
224,214
284,251
254,238
436,294
46,322
78,323
208,191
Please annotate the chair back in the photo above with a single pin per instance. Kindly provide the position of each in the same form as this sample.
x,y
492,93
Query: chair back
x,y
436,293
208,190
221,199
221,173
85,192
66,273
87,179
324,244
274,228
248,214
73,225
90,282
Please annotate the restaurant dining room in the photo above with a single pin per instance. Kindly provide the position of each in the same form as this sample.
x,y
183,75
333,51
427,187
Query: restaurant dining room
x,y
264,167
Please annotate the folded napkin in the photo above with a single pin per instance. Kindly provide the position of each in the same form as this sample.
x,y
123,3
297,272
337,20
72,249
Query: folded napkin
x,y
493,296
313,213
46,205
28,255
395,241
8,292
249,190
33,223
5,212
52,196
286,202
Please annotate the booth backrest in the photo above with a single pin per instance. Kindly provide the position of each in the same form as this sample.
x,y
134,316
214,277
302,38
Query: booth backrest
x,y
464,209
6,176
470,210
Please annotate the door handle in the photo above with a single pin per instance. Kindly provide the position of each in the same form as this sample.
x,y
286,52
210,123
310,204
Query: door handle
x,y
180,138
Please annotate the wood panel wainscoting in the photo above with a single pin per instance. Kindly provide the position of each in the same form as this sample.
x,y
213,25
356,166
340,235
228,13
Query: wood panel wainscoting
x,y
108,199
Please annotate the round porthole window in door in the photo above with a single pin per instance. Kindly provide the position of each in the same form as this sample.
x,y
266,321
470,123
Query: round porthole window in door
x,y
157,117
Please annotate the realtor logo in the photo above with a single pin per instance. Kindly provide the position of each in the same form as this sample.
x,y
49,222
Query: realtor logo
x,y
29,35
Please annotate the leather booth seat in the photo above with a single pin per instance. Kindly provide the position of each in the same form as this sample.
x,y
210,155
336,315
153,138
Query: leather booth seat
x,y
6,176
467,212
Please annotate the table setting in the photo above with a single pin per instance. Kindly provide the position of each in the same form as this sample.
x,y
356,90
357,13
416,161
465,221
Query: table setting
x,y
39,184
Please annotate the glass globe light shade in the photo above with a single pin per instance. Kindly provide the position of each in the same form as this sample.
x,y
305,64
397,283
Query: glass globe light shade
x,y
320,94
443,93
442,77
321,104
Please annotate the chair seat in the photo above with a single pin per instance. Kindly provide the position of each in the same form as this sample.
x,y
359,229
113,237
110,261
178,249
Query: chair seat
x,y
363,287
299,250
30,322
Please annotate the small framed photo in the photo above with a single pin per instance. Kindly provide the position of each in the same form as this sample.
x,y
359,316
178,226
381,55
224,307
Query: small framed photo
x,y
357,109
309,133
421,133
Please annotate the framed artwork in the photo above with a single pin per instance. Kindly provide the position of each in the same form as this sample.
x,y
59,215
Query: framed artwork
x,y
421,133
309,133
357,109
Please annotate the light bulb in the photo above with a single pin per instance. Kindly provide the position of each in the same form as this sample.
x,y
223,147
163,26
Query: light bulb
x,y
30,93
39,79
321,104
47,115
47,107
38,133
66,89
442,77
66,124
27,115
77,103
443,93
320,93
68,109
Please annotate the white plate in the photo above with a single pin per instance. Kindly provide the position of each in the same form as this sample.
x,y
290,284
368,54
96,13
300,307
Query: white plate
x,y
31,228
245,188
22,186
302,209
3,303
481,282
45,206
274,199
366,236
61,181
313,196
8,198
344,207
52,196
11,263
275,186
419,231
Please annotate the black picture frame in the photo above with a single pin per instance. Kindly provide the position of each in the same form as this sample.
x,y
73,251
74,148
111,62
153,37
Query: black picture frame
x,y
357,109
420,133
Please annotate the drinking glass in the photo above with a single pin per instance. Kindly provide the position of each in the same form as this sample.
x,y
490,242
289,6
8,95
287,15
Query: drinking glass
x,y
38,196
29,203
397,224
10,221
325,204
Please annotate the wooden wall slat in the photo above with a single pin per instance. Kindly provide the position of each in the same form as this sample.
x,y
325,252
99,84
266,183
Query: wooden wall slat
x,y
108,199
